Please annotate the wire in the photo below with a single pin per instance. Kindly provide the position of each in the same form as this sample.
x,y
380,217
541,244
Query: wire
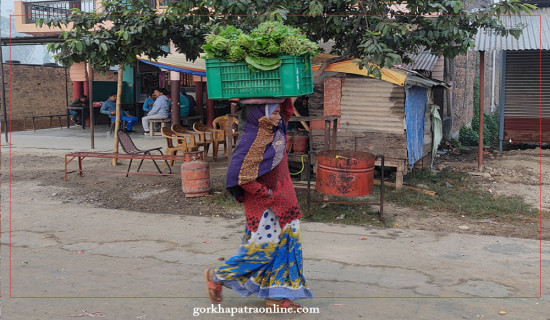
x,y
305,154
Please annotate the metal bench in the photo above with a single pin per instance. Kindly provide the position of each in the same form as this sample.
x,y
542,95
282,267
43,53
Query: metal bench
x,y
51,116
131,152
82,155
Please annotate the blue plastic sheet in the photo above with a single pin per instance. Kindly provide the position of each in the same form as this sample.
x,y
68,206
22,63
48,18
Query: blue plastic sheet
x,y
415,108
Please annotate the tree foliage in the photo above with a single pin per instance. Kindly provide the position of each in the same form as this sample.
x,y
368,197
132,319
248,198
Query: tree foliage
x,y
114,35
378,32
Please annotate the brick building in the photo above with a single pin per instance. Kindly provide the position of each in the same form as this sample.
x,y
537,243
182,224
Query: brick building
x,y
37,90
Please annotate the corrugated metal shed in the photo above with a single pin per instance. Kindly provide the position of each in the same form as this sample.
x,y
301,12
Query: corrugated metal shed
x,y
421,61
535,36
373,104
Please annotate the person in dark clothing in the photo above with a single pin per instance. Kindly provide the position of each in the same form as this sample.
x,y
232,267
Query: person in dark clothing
x,y
188,105
81,102
301,106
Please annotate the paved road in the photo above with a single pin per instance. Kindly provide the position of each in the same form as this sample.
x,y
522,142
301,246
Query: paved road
x,y
60,259
65,259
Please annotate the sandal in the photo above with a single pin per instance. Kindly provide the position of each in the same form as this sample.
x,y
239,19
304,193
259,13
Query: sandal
x,y
213,288
285,303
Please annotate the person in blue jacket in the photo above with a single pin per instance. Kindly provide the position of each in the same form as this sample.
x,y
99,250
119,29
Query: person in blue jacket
x,y
109,108
161,109
148,104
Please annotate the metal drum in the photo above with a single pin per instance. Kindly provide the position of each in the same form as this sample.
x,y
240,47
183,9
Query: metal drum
x,y
345,173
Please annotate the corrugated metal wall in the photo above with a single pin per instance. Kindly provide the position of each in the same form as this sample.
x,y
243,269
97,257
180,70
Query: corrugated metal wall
x,y
523,84
372,105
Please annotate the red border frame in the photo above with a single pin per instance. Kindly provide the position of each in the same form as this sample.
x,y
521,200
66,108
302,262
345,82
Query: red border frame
x,y
540,200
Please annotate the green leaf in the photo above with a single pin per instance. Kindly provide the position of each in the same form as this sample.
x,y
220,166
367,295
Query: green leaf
x,y
263,63
385,29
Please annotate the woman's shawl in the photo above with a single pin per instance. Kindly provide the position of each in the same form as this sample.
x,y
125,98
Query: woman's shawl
x,y
260,149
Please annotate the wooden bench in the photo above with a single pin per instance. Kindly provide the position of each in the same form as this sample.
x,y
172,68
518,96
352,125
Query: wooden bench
x,y
188,121
82,155
163,123
51,116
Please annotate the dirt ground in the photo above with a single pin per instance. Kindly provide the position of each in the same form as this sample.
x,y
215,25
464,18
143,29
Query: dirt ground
x,y
515,172
523,171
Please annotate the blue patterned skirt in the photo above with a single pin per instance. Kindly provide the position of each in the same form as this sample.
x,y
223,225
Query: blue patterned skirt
x,y
268,262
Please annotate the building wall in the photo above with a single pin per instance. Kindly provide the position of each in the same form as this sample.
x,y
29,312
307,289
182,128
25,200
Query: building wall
x,y
462,94
466,67
38,90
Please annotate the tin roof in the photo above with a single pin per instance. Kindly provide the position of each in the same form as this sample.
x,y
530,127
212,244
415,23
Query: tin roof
x,y
421,61
535,35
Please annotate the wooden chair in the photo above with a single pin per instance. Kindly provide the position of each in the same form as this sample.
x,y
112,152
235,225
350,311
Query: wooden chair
x,y
213,136
175,143
130,148
221,124
181,131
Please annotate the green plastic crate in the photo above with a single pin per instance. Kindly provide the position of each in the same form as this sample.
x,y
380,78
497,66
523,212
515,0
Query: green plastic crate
x,y
228,80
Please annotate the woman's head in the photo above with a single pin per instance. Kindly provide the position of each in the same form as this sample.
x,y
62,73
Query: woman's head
x,y
273,112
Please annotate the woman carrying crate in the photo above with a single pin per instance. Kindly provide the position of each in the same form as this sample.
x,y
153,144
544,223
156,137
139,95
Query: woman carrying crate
x,y
269,260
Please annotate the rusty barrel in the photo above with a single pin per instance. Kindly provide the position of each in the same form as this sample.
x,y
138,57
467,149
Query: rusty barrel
x,y
195,175
345,173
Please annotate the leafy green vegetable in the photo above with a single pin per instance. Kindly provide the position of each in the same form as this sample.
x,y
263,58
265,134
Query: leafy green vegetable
x,y
261,48
236,54
263,63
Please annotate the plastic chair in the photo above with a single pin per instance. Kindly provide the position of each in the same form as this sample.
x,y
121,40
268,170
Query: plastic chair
x,y
175,143
181,131
221,124
215,137
130,148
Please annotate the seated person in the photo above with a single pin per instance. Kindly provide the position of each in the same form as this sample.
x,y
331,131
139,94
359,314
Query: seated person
x,y
109,108
161,109
148,104
187,104
81,102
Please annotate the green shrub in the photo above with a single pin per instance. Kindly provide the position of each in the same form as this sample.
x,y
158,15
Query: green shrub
x,y
468,137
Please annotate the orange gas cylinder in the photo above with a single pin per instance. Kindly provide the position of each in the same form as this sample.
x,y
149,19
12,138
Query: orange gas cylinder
x,y
299,144
345,173
195,175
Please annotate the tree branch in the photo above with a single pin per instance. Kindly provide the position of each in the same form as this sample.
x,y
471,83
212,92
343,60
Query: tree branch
x,y
325,64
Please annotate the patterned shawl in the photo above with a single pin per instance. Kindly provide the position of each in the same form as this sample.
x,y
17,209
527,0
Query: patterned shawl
x,y
260,149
